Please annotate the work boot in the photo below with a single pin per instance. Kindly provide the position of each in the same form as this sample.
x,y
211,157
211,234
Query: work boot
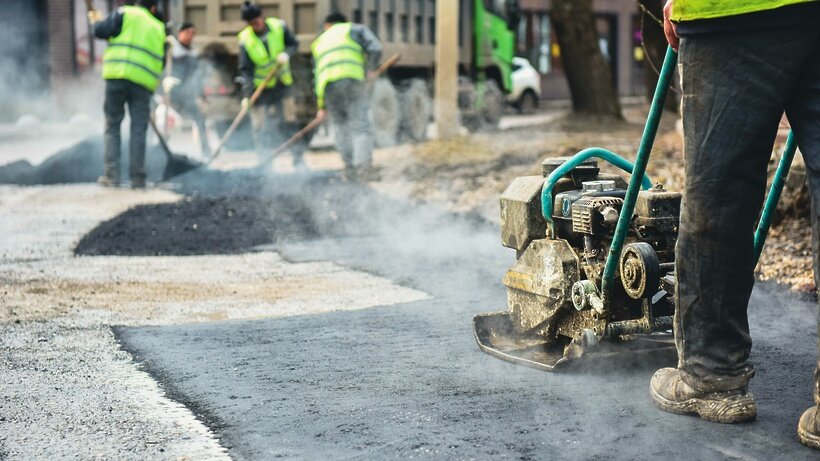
x,y
808,429
105,181
138,183
671,394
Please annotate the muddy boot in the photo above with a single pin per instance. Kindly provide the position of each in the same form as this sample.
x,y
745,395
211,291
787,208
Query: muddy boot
x,y
808,429
671,394
106,181
138,183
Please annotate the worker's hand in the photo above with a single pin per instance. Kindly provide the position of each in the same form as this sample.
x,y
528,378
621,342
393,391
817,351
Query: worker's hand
x,y
669,27
95,16
168,84
321,114
245,102
372,75
282,58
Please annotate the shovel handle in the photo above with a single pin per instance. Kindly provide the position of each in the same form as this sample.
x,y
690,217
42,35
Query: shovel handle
x,y
89,5
244,112
320,117
392,60
161,138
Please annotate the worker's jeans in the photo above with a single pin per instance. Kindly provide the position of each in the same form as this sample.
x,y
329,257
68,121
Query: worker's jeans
x,y
118,93
735,89
273,119
349,107
187,104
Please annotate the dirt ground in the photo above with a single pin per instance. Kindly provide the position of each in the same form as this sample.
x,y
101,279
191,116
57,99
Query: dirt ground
x,y
469,173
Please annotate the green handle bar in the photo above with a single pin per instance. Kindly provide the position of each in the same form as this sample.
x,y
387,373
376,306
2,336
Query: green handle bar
x,y
639,179
773,196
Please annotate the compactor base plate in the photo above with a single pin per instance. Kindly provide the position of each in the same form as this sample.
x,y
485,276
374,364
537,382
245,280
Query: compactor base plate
x,y
496,335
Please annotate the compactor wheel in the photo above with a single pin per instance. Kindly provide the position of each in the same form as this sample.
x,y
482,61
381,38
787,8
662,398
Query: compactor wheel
x,y
640,270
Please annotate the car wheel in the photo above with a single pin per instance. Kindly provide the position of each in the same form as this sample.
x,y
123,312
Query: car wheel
x,y
528,103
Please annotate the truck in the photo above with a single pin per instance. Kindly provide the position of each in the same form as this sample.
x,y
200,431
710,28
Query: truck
x,y
401,102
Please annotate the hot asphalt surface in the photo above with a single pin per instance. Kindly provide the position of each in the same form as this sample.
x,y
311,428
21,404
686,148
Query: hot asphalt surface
x,y
409,381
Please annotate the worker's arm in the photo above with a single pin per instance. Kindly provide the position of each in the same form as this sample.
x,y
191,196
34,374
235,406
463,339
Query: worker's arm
x,y
369,43
110,26
291,44
246,70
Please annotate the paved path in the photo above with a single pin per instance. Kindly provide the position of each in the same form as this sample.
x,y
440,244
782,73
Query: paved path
x,y
408,380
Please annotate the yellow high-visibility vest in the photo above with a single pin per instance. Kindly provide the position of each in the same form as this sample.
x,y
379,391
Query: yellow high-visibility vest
x,y
265,58
336,56
687,10
137,53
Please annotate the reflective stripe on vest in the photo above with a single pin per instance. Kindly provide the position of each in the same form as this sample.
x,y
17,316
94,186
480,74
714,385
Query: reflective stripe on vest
x,y
336,56
265,58
136,54
688,10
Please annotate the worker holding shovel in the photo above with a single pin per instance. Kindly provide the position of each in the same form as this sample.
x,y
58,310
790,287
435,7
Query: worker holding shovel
x,y
132,68
265,44
742,65
342,54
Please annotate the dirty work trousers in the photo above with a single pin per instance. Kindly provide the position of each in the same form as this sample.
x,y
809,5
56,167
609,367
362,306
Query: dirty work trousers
x,y
349,107
118,93
186,103
736,86
273,120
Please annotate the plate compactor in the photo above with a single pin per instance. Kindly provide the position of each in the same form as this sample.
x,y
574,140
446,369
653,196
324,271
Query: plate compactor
x,y
594,274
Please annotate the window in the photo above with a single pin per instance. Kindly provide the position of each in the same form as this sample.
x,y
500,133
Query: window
x,y
390,26
432,33
373,22
404,28
419,29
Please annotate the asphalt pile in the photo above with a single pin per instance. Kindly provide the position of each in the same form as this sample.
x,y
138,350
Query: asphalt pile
x,y
199,225
80,163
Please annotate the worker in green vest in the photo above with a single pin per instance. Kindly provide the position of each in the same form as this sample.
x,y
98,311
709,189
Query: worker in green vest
x,y
132,68
742,64
342,55
264,44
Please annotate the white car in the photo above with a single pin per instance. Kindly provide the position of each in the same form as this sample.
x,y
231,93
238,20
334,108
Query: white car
x,y
526,86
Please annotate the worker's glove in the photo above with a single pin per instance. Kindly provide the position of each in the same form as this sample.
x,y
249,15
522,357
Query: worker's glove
x,y
168,84
95,16
283,58
245,102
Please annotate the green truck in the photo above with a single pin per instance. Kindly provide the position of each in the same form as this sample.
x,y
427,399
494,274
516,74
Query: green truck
x,y
402,101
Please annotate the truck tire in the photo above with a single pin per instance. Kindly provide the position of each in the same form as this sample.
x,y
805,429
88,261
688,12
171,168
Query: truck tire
x,y
417,107
493,105
528,103
384,103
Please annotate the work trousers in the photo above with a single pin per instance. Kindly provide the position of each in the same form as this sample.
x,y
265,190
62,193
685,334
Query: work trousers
x,y
187,104
273,119
735,87
118,93
349,107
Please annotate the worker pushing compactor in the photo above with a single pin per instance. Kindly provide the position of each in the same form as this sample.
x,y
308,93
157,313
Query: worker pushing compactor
x,y
742,65
132,68
265,44
342,55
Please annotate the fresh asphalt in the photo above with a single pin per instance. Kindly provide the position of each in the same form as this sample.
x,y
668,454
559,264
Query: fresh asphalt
x,y
408,381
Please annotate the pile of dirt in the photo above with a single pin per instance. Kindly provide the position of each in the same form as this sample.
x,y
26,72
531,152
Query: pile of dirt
x,y
199,225
80,163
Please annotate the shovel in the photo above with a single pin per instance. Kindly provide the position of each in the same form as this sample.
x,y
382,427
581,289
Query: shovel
x,y
176,164
244,112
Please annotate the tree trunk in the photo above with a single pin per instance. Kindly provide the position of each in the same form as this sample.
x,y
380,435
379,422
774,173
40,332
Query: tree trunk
x,y
655,45
588,74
